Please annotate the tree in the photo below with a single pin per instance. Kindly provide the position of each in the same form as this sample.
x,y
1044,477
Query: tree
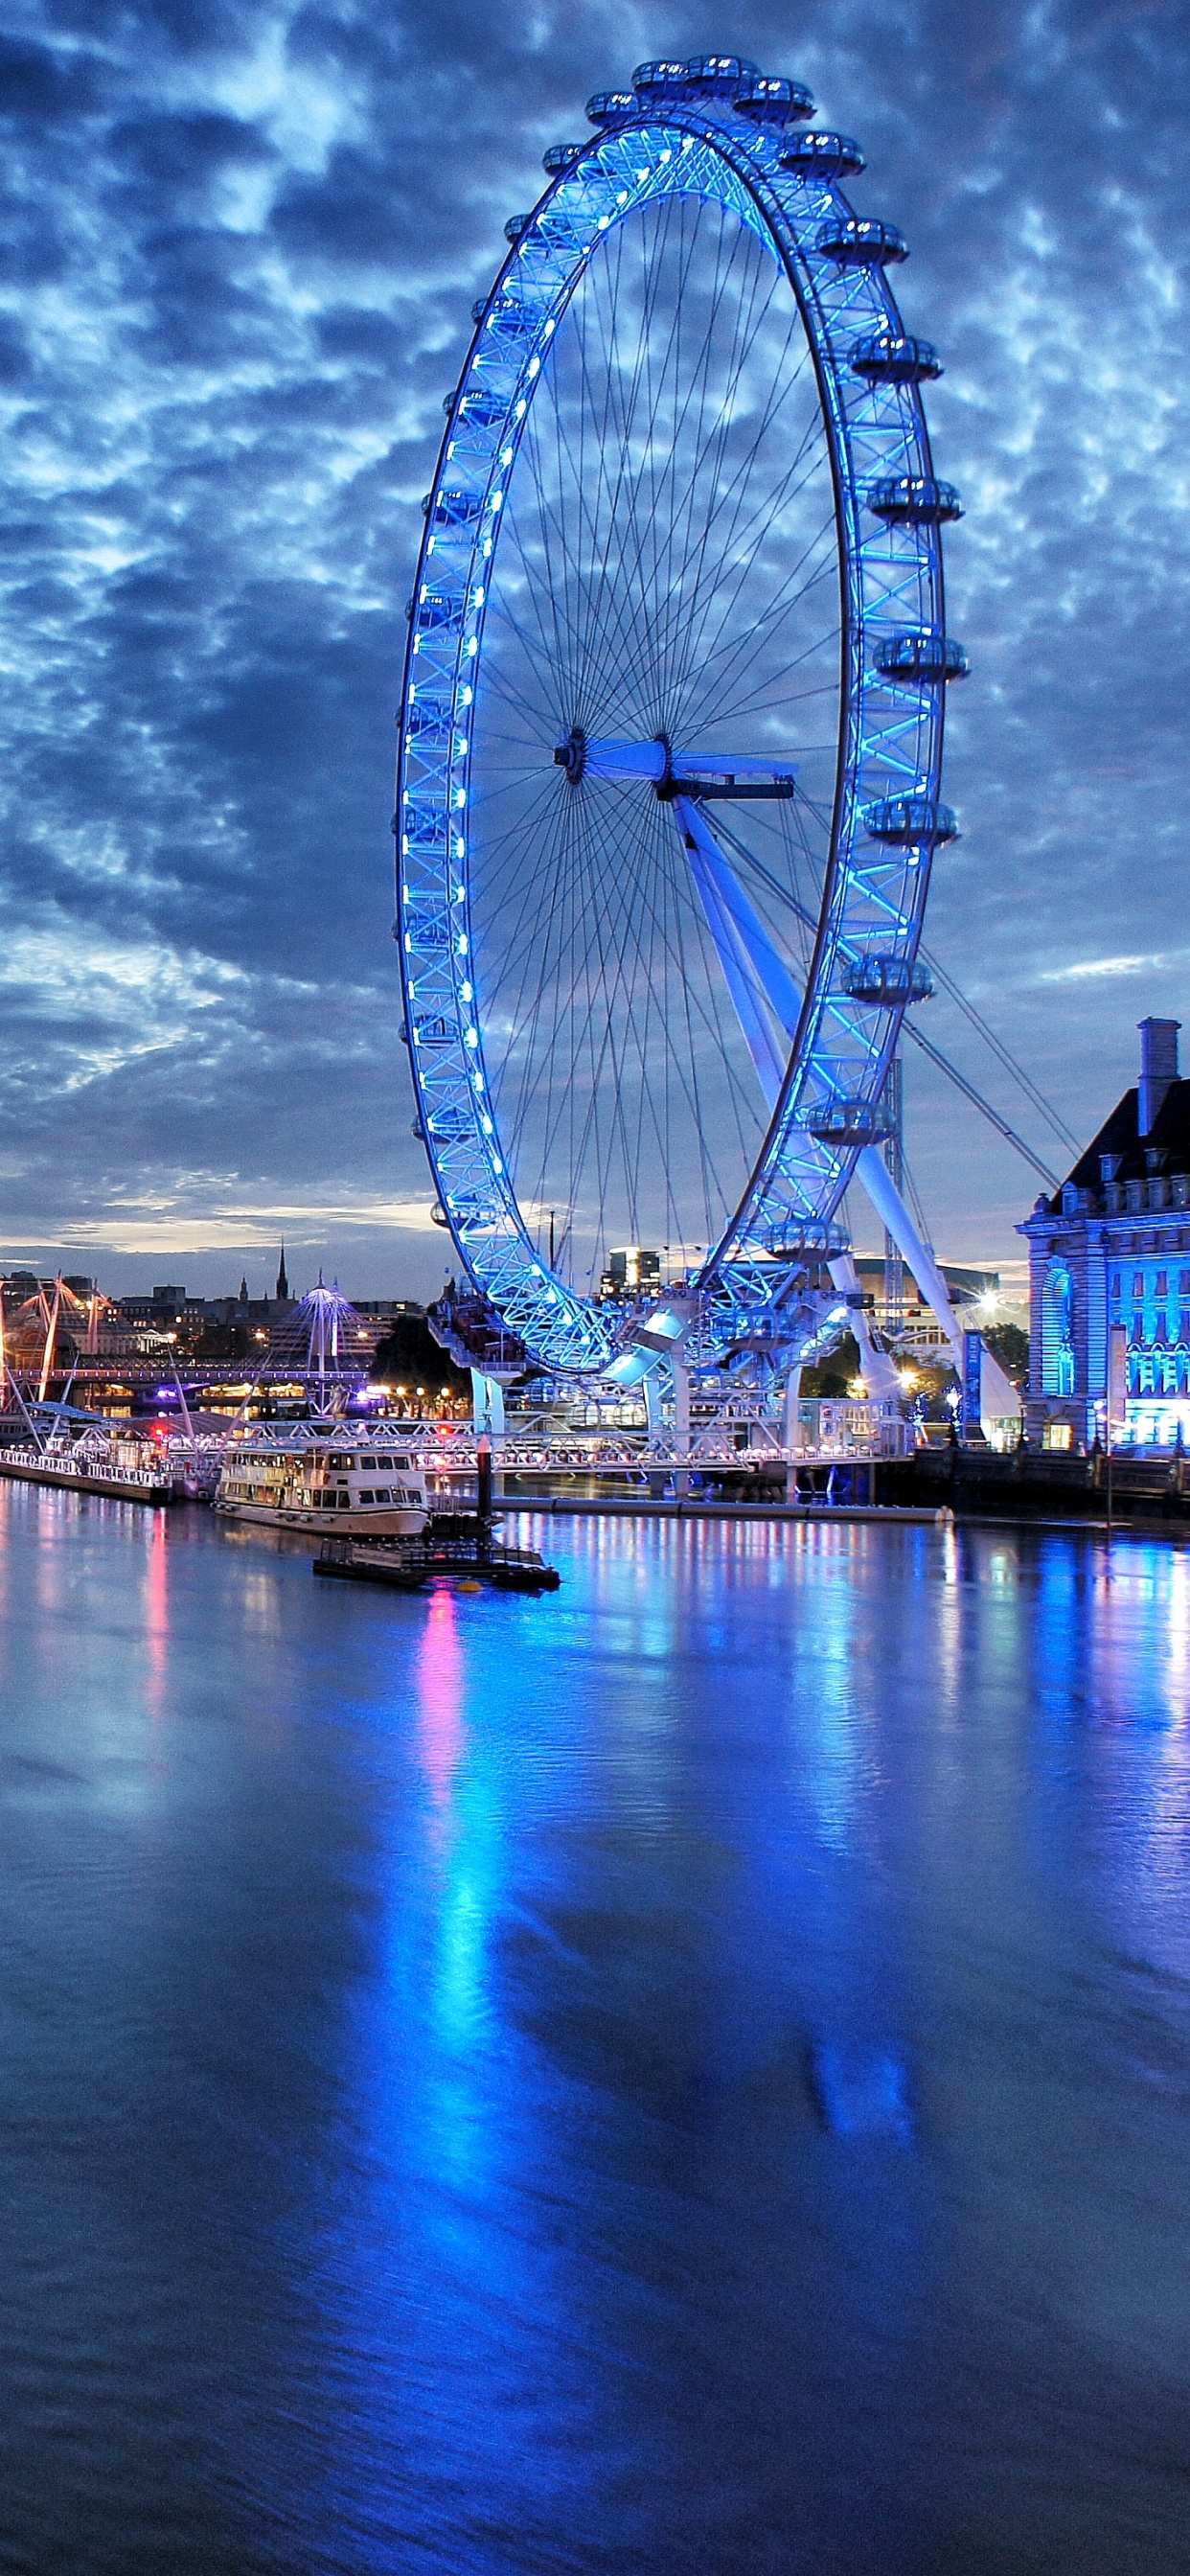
x,y
834,1374
1011,1347
410,1356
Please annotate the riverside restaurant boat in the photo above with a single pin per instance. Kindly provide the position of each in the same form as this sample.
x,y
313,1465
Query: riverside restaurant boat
x,y
128,1474
294,1477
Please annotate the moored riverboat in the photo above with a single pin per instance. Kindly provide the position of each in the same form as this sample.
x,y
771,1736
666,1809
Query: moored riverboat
x,y
79,1470
297,1479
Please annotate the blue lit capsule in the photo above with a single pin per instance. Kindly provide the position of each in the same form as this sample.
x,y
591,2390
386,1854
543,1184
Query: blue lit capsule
x,y
910,819
917,499
817,155
861,241
920,655
892,358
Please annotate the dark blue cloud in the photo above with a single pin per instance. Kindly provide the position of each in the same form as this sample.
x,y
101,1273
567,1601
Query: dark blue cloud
x,y
43,88
238,245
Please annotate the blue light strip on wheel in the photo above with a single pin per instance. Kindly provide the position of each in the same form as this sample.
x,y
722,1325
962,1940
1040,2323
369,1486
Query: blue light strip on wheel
x,y
890,737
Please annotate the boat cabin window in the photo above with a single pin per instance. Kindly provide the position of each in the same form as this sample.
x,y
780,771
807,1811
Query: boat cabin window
x,y
338,1459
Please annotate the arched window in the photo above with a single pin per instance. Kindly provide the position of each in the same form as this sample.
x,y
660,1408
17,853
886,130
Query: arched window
x,y
1058,1333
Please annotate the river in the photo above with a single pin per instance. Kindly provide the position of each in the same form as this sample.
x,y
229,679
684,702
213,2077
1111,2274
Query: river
x,y
686,2077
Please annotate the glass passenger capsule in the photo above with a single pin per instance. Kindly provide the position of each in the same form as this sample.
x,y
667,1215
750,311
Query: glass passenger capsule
x,y
718,75
454,509
660,80
608,104
820,155
515,226
911,818
915,498
891,358
862,241
439,608
480,404
773,101
921,655
561,156
429,726
887,981
849,1122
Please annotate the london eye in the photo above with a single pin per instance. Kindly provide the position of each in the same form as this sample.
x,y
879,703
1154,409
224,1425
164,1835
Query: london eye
x,y
671,730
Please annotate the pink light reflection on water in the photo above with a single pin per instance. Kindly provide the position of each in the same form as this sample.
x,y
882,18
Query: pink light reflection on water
x,y
440,1731
157,1615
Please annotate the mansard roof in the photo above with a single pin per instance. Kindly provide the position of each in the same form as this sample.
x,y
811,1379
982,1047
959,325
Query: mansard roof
x,y
1135,1156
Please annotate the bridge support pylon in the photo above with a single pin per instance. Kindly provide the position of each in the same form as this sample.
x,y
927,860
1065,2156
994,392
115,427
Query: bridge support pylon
x,y
681,1381
792,1431
487,1407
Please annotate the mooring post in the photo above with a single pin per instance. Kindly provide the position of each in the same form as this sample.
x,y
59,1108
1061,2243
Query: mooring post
x,y
483,1508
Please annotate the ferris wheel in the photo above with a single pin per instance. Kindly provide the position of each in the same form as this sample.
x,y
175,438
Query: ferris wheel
x,y
668,791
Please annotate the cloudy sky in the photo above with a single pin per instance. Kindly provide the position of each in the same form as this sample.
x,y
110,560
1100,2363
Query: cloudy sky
x,y
238,248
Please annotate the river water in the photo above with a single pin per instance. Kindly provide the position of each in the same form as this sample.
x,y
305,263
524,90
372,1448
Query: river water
x,y
691,2074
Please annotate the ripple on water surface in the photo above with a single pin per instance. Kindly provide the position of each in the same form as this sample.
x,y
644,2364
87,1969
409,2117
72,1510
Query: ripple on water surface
x,y
692,2074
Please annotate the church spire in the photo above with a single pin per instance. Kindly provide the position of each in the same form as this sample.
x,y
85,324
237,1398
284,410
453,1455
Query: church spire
x,y
282,1281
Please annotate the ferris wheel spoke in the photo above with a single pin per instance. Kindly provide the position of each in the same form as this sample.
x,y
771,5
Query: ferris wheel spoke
x,y
657,1006
543,932
742,644
675,601
641,524
678,602
685,426
571,498
729,710
658,833
634,488
617,621
729,643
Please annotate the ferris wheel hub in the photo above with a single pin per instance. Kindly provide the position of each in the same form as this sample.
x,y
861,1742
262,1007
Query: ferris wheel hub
x,y
675,773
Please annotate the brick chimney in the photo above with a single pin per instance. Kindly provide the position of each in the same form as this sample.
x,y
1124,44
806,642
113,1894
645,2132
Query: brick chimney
x,y
1158,1068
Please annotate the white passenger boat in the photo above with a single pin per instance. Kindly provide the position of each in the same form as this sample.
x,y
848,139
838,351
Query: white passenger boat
x,y
294,1477
82,1468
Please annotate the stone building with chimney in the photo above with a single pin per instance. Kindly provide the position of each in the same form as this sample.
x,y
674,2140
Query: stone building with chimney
x,y
1109,1271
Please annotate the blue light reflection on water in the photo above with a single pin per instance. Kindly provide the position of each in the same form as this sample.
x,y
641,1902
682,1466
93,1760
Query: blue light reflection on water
x,y
693,2073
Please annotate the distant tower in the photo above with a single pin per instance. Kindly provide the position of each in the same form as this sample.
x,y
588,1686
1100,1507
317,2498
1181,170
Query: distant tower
x,y
243,1292
282,1281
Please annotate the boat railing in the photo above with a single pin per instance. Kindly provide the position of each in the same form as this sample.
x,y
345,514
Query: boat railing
x,y
100,1470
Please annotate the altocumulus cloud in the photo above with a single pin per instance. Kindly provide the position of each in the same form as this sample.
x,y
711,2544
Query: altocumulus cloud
x,y
237,249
